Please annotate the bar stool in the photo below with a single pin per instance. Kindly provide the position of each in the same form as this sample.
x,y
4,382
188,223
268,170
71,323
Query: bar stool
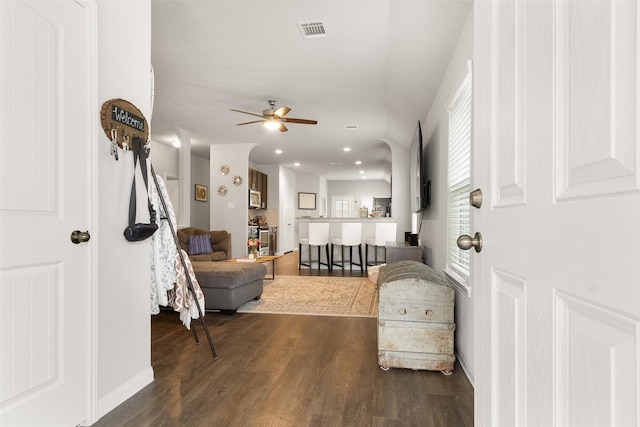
x,y
351,235
318,236
384,232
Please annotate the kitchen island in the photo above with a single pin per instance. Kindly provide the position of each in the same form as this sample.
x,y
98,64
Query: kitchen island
x,y
335,226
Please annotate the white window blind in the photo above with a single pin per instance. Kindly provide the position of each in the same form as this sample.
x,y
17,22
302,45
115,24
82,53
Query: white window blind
x,y
459,177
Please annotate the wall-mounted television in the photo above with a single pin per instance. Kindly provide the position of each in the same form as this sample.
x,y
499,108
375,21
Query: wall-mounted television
x,y
419,186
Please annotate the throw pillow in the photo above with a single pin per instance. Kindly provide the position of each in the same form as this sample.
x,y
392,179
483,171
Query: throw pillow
x,y
199,244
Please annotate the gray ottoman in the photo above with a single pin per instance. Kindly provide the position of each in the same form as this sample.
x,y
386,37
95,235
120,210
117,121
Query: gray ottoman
x,y
228,285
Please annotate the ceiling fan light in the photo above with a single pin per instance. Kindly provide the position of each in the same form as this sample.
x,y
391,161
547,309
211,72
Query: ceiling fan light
x,y
271,124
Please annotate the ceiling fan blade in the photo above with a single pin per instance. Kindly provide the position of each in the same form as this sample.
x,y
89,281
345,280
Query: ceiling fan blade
x,y
248,123
282,111
301,121
246,112
282,128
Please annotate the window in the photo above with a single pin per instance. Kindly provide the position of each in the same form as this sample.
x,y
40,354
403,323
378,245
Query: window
x,y
459,176
342,209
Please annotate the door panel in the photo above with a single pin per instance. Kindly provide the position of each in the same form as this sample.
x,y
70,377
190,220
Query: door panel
x,y
596,98
588,336
556,118
45,117
509,336
507,40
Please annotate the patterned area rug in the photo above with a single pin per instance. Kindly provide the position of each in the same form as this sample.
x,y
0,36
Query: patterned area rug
x,y
318,296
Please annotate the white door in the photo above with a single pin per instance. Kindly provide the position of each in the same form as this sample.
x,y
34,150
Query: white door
x,y
45,137
558,280
286,231
342,207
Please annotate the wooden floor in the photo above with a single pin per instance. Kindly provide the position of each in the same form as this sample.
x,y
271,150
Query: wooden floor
x,y
286,370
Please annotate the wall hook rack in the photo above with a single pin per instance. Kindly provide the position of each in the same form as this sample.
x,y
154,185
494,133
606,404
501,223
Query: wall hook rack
x,y
122,122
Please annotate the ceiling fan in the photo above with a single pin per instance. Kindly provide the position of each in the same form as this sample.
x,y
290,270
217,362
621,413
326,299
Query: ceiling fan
x,y
275,119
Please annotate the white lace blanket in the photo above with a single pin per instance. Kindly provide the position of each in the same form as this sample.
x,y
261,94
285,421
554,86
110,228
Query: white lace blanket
x,y
163,249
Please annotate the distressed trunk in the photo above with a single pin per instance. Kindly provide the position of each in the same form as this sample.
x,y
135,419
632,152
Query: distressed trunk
x,y
415,318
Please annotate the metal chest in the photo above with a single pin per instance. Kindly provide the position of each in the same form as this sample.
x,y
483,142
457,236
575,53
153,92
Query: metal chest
x,y
415,318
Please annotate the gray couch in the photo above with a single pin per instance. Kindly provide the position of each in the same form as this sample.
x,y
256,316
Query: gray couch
x,y
225,285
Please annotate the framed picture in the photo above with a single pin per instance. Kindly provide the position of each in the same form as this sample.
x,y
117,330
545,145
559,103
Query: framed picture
x,y
202,193
307,201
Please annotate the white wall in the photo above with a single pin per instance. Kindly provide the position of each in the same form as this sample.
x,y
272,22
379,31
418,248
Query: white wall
x,y
164,159
433,232
166,163
230,212
400,188
124,359
308,183
200,174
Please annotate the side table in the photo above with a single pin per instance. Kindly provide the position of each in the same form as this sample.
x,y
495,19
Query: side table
x,y
399,251
263,259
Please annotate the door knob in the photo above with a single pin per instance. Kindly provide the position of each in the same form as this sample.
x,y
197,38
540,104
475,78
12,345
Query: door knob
x,y
78,236
467,242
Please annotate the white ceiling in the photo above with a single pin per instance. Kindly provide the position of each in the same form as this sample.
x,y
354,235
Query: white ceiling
x,y
378,68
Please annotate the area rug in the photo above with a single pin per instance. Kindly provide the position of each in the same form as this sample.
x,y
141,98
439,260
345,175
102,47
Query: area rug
x,y
318,296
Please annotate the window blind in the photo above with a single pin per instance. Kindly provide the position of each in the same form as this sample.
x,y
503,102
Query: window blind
x,y
459,177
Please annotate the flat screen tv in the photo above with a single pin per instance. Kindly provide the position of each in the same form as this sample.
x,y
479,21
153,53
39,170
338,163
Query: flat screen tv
x,y
419,186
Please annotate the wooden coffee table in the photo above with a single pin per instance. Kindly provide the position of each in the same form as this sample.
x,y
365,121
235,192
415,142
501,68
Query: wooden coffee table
x,y
263,259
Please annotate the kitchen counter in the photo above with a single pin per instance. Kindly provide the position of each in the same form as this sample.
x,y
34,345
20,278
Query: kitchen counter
x,y
341,220
335,230
335,226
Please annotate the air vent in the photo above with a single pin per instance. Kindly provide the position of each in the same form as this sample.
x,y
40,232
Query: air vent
x,y
313,29
350,127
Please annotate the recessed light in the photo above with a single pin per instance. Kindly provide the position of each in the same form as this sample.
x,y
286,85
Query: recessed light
x,y
346,149
358,162
360,171
278,151
296,164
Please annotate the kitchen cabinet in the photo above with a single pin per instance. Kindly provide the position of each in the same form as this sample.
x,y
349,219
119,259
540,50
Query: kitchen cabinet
x,y
258,182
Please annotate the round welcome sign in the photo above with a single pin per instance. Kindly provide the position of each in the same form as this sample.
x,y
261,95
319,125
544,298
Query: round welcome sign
x,y
122,122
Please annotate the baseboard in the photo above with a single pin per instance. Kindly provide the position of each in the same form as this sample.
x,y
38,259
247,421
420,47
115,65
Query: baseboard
x,y
125,391
465,367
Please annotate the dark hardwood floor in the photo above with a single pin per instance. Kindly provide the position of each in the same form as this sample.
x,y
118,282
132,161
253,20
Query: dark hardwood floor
x,y
285,370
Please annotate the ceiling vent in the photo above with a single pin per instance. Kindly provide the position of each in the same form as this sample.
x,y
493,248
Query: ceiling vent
x,y
350,127
313,29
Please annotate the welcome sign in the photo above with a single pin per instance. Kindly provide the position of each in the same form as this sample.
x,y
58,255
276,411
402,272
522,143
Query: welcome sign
x,y
123,116
123,121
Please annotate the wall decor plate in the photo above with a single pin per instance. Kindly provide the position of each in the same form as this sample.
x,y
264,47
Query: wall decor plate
x,y
237,180
224,169
222,190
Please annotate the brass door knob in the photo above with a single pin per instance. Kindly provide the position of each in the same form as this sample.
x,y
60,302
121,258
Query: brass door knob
x,y
467,242
78,236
